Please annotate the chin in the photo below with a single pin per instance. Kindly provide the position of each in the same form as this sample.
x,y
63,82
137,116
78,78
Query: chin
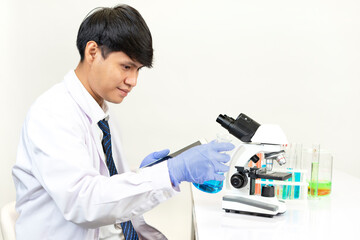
x,y
116,101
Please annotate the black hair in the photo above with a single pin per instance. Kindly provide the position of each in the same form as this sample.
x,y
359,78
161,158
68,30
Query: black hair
x,y
120,28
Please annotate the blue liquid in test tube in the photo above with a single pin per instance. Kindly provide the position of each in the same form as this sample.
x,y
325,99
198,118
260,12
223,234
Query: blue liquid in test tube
x,y
297,176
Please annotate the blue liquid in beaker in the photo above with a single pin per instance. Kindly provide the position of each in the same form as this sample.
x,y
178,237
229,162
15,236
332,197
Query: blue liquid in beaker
x,y
211,186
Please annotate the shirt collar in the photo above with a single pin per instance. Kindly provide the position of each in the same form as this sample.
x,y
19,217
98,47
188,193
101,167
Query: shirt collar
x,y
84,99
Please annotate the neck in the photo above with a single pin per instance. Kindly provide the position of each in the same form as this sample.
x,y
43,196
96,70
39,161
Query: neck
x,y
82,72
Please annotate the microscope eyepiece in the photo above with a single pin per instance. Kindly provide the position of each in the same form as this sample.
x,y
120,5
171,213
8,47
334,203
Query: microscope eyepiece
x,y
225,121
243,127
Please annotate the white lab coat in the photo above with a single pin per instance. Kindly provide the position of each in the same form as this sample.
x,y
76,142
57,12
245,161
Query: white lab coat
x,y
63,188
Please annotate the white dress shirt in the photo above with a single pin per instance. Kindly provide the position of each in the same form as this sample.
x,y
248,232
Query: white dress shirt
x,y
63,187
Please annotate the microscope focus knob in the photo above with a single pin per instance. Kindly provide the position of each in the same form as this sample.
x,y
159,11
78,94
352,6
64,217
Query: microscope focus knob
x,y
239,180
268,191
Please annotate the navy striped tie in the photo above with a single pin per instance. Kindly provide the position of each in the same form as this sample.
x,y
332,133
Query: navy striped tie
x,y
127,227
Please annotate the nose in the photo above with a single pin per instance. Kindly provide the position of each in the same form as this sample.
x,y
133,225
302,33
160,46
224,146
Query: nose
x,y
131,79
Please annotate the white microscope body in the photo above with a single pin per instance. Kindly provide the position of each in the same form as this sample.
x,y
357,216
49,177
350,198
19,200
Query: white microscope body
x,y
240,180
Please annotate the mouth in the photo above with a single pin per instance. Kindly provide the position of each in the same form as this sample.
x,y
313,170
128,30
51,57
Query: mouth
x,y
123,92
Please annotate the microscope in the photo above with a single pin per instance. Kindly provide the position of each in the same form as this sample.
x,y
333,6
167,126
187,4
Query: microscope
x,y
267,139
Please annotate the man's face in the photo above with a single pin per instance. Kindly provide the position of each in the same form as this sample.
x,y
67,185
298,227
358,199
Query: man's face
x,y
112,79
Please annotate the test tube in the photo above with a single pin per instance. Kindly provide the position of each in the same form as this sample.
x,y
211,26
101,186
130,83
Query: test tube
x,y
297,169
314,180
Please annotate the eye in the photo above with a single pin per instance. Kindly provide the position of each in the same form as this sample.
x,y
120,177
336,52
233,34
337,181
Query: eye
x,y
126,67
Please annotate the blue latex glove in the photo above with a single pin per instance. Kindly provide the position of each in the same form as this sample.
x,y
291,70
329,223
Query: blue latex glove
x,y
201,163
152,157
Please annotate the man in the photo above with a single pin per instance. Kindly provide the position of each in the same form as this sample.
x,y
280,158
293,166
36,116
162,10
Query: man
x,y
70,176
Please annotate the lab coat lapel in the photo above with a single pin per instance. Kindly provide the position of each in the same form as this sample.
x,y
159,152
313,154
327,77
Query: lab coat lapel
x,y
94,112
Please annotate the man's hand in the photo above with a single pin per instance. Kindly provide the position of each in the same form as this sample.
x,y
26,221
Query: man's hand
x,y
152,157
201,163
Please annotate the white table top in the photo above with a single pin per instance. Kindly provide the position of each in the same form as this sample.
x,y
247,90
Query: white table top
x,y
337,215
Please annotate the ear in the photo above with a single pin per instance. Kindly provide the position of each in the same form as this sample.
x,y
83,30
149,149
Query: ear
x,y
91,50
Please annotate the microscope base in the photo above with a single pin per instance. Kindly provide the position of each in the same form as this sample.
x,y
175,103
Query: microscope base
x,y
248,213
253,205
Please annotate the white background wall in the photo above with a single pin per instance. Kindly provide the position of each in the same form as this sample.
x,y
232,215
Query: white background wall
x,y
294,63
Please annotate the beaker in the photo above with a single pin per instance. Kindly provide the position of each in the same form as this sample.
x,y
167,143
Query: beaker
x,y
322,187
320,179
211,186
214,186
